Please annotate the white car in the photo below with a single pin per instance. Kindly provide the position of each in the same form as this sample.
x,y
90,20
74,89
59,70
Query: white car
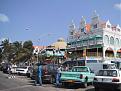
x,y
22,70
108,79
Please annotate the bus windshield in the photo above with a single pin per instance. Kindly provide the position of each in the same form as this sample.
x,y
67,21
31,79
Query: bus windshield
x,y
117,63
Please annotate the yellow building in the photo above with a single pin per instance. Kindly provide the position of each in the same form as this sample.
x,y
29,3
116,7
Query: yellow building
x,y
60,44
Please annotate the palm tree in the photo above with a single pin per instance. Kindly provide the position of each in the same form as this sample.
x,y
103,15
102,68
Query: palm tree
x,y
5,49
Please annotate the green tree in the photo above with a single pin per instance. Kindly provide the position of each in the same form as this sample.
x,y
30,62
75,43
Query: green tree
x,y
23,52
0,54
5,49
28,50
17,47
16,52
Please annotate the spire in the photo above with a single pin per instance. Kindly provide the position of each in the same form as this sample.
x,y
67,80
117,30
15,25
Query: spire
x,y
94,20
72,27
95,15
83,22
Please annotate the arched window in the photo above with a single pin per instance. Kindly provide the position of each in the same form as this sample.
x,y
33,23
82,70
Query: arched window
x,y
106,39
111,40
117,42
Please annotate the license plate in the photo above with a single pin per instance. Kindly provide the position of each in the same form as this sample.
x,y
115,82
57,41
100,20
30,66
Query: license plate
x,y
106,80
99,80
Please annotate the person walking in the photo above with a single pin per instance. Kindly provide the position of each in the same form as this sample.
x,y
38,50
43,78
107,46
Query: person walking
x,y
58,76
9,71
38,79
13,70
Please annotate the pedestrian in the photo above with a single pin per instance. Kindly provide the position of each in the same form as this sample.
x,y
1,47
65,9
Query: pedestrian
x,y
9,71
14,70
38,79
58,75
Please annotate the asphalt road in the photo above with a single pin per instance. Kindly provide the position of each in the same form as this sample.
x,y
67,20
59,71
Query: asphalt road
x,y
22,83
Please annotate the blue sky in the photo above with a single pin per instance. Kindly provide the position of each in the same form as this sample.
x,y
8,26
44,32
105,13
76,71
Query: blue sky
x,y
44,21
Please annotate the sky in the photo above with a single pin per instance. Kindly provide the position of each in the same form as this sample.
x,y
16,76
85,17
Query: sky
x,y
45,21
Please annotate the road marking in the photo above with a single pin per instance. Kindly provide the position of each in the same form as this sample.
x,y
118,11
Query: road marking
x,y
16,88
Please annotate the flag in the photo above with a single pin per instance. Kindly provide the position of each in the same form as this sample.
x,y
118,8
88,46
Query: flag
x,y
88,27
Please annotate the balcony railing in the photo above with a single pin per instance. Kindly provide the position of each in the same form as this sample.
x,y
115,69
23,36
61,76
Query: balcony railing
x,y
99,42
86,43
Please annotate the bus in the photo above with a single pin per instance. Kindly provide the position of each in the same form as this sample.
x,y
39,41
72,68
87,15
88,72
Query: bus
x,y
94,65
117,63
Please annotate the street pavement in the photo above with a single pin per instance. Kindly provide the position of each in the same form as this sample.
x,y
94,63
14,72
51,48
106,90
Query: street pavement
x,y
22,83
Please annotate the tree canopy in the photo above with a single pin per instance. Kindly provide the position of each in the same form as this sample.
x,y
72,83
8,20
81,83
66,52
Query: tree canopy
x,y
16,51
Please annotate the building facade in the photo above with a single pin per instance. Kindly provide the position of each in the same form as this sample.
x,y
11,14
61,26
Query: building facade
x,y
55,53
98,40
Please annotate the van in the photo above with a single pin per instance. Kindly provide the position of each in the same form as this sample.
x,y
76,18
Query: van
x,y
94,65
49,72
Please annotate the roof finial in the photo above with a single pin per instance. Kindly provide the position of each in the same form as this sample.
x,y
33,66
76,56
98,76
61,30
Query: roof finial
x,y
72,25
95,14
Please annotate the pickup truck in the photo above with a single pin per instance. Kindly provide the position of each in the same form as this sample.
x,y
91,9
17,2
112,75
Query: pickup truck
x,y
77,75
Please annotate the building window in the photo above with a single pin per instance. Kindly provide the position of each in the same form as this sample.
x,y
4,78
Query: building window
x,y
106,39
111,40
117,42
71,33
82,30
108,26
95,26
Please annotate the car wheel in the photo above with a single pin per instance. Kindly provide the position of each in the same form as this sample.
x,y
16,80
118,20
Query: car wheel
x,y
64,84
28,75
96,89
118,90
85,82
85,85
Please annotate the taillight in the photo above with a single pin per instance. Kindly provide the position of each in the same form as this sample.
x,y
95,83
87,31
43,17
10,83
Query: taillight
x,y
81,76
115,80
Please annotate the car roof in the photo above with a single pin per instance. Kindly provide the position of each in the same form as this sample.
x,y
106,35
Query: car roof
x,y
79,66
110,69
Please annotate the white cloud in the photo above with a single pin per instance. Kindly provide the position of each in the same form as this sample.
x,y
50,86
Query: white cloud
x,y
3,18
118,6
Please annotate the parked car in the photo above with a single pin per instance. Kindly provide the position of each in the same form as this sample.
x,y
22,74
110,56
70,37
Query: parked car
x,y
108,79
5,67
23,70
49,72
78,75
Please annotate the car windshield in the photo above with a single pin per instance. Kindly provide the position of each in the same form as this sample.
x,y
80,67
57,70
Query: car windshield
x,y
79,69
107,73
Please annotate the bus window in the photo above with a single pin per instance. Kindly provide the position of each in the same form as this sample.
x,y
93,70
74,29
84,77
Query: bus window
x,y
105,66
74,63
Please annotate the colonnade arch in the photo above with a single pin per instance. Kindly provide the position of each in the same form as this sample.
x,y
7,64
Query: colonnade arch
x,y
109,52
